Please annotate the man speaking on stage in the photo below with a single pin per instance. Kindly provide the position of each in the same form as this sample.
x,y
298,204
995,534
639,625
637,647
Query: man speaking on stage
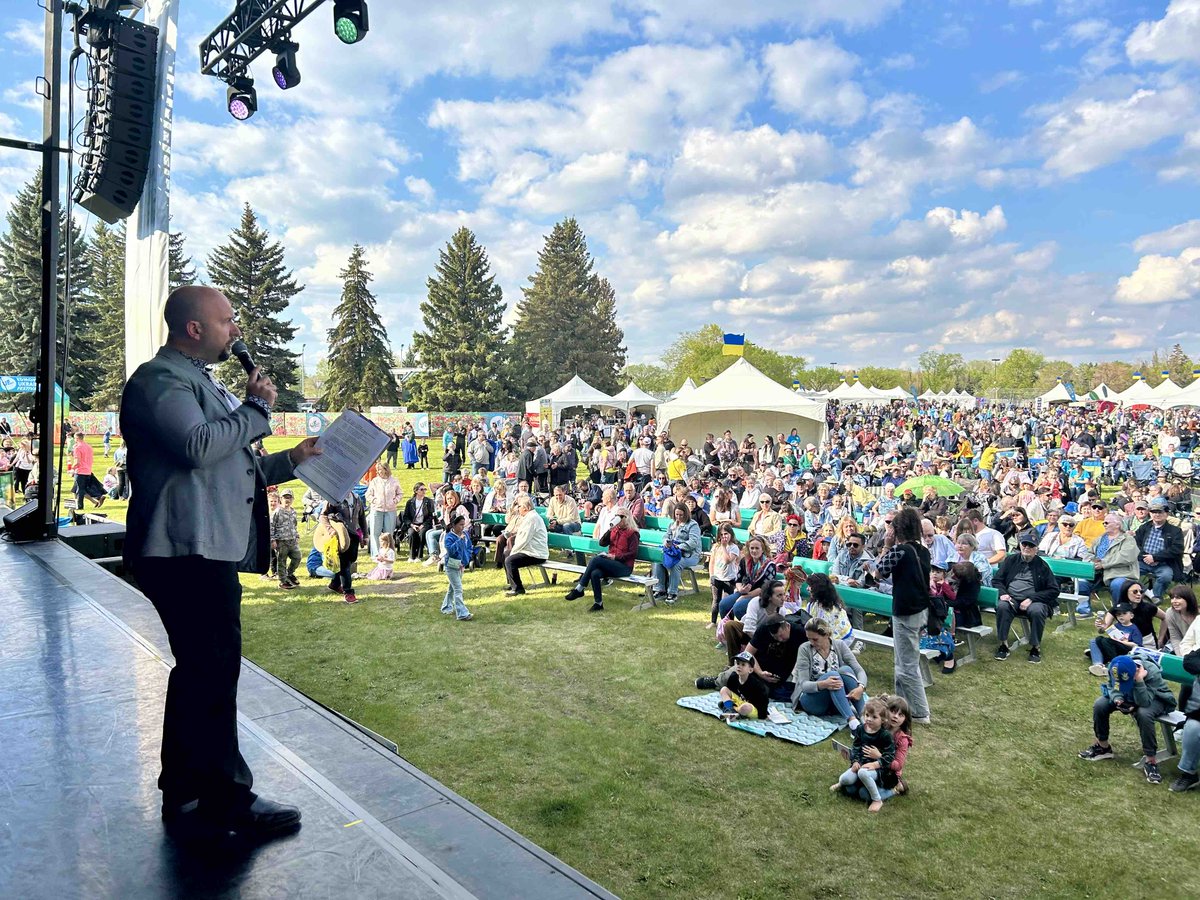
x,y
197,516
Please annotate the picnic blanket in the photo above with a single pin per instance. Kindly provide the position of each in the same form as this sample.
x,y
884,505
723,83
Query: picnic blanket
x,y
801,729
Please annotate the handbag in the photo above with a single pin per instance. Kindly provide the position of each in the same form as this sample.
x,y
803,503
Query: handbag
x,y
672,555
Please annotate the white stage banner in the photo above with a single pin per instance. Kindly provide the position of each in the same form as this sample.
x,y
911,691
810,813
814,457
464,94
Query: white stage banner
x,y
148,236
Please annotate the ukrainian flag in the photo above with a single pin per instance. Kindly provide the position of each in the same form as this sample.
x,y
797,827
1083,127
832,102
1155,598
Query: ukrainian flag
x,y
734,345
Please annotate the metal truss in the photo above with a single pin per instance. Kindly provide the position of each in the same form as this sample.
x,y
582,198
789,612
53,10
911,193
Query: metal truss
x,y
251,30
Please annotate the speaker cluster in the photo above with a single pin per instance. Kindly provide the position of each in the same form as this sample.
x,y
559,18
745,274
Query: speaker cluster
x,y
121,107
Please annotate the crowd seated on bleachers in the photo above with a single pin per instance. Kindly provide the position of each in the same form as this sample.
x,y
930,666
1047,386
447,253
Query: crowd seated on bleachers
x,y
1009,507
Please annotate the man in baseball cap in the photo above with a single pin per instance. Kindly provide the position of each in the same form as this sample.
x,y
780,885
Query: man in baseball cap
x,y
1135,687
1027,588
1160,548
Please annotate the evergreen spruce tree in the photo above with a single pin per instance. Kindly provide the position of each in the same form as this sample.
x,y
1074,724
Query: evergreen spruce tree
x,y
249,270
566,321
107,262
461,349
360,361
20,298
179,265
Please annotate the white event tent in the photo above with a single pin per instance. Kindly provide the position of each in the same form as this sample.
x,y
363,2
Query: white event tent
x,y
633,397
575,394
745,401
1188,396
1056,394
1166,388
1100,393
1138,392
684,389
854,392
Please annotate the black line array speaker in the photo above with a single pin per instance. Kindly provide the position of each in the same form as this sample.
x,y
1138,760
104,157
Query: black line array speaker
x,y
121,106
23,524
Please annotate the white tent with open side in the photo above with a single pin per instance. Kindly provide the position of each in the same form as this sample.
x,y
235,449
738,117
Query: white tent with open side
x,y
1056,394
745,401
575,394
633,397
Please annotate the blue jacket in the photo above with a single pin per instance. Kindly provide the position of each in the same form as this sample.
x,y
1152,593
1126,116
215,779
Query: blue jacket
x,y
459,548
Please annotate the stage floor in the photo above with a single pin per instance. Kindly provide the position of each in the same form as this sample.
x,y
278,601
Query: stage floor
x,y
83,671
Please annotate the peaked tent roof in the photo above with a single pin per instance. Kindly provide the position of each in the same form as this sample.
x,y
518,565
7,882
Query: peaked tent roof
x,y
684,389
575,392
898,393
1188,396
1102,392
1056,394
742,387
1166,388
632,396
1138,392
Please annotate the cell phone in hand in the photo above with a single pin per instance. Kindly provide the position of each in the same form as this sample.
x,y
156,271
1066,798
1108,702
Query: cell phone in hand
x,y
842,749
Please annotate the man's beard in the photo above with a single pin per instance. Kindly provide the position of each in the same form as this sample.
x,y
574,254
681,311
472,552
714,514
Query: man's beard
x,y
224,355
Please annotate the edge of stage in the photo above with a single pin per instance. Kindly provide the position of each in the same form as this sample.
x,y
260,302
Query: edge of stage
x,y
83,671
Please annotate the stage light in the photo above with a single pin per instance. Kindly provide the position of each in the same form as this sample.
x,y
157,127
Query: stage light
x,y
285,72
241,98
350,20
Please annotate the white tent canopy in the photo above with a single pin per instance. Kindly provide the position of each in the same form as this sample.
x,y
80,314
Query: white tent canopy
x,y
898,393
1188,396
1056,394
1138,392
576,393
1102,392
1166,388
633,396
855,392
684,389
745,401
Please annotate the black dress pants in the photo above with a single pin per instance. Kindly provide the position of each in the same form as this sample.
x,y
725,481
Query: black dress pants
x,y
199,602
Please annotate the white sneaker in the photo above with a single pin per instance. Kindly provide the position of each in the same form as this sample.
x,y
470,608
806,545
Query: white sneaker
x,y
1098,670
924,720
430,562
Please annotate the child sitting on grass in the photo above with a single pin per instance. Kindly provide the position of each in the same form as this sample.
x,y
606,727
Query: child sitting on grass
x,y
744,694
385,559
891,781
459,553
866,770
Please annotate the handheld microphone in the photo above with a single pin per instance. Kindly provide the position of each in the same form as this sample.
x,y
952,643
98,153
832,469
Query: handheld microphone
x,y
242,352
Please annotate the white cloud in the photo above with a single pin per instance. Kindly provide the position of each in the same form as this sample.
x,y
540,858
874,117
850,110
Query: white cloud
x,y
26,36
899,62
966,226
811,78
1177,237
420,188
1088,134
712,160
1162,279
1000,80
673,17
1173,38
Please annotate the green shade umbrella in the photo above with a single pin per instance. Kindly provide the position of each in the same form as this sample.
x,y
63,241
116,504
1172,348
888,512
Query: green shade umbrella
x,y
945,487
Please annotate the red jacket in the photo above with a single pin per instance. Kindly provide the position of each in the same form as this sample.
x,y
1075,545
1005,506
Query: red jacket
x,y
622,544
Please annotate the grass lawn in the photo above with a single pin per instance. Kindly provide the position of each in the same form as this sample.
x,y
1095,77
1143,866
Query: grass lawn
x,y
563,725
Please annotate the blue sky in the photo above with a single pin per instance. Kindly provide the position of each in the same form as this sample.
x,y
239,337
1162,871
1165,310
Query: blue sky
x,y
858,180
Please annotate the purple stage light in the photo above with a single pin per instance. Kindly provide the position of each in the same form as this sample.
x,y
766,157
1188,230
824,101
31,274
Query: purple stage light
x,y
239,110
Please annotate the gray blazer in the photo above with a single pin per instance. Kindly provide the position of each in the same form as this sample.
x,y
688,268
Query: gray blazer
x,y
197,489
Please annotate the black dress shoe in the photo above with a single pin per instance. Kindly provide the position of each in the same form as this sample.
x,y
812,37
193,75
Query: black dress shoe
x,y
263,819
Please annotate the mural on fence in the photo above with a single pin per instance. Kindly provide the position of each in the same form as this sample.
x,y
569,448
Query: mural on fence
x,y
430,425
